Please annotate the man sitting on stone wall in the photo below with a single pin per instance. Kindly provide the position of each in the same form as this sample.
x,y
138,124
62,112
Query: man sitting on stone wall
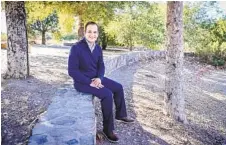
x,y
86,67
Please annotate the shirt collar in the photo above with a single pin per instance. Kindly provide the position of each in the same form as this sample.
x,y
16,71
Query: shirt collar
x,y
91,47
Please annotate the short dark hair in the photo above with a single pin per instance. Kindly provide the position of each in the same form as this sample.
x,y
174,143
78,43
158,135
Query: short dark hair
x,y
91,23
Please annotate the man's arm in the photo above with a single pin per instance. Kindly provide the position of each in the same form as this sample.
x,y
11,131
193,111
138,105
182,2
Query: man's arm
x,y
101,67
73,67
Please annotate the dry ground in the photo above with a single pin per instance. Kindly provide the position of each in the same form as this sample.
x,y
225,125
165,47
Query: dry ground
x,y
205,91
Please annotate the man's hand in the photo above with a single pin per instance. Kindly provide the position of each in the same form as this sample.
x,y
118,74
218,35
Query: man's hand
x,y
96,82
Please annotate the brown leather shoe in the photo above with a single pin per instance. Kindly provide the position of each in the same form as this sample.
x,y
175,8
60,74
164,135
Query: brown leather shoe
x,y
111,137
125,120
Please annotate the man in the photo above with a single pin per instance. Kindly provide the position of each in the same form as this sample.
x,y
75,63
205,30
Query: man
x,y
86,67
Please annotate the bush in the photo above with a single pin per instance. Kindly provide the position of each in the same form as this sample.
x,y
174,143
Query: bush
x,y
216,61
70,37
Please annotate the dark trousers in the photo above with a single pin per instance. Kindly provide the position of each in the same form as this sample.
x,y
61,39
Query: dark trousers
x,y
111,90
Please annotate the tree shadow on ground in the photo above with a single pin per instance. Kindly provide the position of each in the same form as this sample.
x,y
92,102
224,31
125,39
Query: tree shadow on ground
x,y
144,98
22,102
206,111
133,134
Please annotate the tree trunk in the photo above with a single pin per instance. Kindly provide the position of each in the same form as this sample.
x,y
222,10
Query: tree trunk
x,y
130,43
80,28
44,37
17,53
104,41
174,98
104,45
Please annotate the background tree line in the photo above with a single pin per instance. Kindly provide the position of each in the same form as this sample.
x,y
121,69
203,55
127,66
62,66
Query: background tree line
x,y
131,24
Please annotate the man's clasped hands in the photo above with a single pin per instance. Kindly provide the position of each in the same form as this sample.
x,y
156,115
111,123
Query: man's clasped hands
x,y
96,83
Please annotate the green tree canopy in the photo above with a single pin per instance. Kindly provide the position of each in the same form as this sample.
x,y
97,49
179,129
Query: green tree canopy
x,y
139,23
49,24
206,36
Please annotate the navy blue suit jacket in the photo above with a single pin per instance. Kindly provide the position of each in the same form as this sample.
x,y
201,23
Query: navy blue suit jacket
x,y
83,65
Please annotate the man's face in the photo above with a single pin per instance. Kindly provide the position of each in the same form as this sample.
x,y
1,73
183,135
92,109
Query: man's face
x,y
91,33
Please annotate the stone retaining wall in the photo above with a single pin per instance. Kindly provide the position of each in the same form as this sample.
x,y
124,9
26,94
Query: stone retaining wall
x,y
70,118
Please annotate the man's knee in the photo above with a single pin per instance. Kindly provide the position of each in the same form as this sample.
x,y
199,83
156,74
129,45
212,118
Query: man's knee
x,y
108,95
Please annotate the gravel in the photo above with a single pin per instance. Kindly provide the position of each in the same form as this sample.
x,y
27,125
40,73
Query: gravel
x,y
205,97
205,92
24,100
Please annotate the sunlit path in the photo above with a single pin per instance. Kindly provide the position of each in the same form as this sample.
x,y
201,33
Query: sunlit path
x,y
144,89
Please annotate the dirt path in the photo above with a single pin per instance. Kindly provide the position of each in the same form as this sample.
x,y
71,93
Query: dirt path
x,y
23,100
205,93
